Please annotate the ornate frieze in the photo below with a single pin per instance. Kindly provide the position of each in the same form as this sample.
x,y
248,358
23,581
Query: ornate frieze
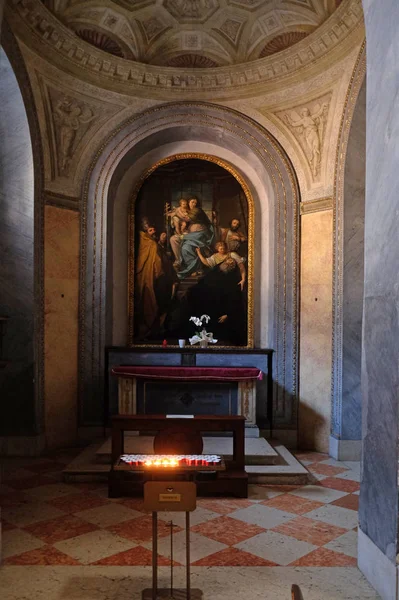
x,y
47,35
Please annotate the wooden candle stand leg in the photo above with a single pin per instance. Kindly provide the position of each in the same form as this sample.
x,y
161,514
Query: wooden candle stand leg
x,y
170,593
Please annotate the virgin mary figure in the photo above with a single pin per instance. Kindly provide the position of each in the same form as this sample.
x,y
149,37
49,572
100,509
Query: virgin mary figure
x,y
199,234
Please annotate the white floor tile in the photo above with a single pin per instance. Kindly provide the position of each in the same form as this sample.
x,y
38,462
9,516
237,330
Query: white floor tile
x,y
16,542
264,516
107,515
276,547
199,515
200,546
28,513
335,515
352,475
347,544
93,546
51,490
319,493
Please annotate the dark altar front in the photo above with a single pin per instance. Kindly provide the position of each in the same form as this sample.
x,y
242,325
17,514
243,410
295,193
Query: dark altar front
x,y
191,381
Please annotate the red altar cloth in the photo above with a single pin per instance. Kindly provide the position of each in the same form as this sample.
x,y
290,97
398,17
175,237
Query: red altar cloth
x,y
187,373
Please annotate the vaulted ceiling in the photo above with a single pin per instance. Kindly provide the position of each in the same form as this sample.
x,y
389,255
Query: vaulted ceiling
x,y
192,33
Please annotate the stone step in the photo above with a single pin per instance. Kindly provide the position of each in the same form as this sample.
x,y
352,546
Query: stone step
x,y
85,468
258,451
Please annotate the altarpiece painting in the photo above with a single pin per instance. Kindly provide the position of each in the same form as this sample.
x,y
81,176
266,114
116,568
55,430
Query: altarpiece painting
x,y
191,253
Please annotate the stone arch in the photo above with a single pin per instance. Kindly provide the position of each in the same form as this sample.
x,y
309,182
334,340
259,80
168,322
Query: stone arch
x,y
22,233
253,152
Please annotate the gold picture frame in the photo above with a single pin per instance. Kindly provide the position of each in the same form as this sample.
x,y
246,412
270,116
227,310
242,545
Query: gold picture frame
x,y
131,248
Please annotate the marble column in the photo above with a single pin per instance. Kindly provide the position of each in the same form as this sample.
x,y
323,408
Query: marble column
x,y
378,514
18,426
345,439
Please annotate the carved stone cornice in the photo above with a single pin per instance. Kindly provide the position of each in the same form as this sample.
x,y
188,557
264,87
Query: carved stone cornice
x,y
48,37
61,201
316,205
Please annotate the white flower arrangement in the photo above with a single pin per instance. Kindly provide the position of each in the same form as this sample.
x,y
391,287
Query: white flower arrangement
x,y
202,336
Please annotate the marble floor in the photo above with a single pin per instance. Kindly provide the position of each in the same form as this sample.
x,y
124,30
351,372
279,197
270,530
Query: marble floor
x,y
69,541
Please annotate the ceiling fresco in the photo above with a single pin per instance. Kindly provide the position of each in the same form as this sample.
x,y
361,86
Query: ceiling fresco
x,y
192,33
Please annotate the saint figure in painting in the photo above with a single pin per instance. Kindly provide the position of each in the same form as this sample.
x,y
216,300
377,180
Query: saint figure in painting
x,y
220,294
199,234
232,235
155,284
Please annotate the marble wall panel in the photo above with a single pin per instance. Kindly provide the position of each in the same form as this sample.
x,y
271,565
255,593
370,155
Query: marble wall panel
x,y
378,513
315,330
61,324
17,408
354,205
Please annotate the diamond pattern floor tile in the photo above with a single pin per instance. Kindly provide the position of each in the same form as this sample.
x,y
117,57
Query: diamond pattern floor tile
x,y
61,528
138,556
276,547
200,515
200,547
352,475
48,522
73,503
345,544
227,530
261,515
335,515
16,542
30,512
318,493
292,504
108,515
139,530
307,530
343,485
322,557
51,490
223,507
351,502
323,469
312,457
47,555
233,557
92,547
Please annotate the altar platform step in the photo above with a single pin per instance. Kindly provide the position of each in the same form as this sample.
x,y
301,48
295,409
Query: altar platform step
x,y
277,466
258,451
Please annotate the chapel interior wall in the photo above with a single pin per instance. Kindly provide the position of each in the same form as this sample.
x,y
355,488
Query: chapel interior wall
x,y
268,105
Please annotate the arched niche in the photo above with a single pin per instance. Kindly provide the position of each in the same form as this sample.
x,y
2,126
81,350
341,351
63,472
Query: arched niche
x,y
220,195
257,158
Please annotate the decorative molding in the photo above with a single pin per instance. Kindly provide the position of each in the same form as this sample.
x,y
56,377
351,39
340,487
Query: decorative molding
x,y
61,201
45,34
356,81
307,123
316,205
249,138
